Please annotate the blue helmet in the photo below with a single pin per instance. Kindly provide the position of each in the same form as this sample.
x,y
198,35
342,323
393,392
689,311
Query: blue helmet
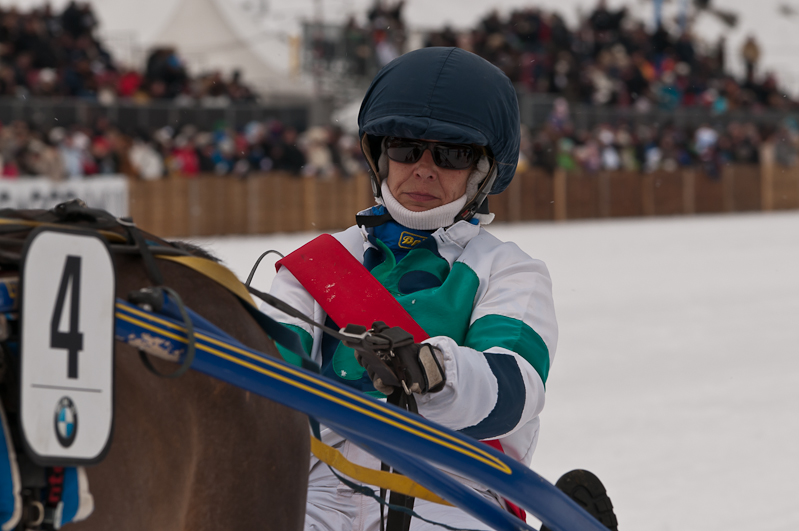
x,y
445,94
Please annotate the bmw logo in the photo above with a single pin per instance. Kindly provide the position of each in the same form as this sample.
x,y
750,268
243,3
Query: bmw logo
x,y
66,422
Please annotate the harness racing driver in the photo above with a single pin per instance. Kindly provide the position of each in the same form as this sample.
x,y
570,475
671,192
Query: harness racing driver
x,y
440,130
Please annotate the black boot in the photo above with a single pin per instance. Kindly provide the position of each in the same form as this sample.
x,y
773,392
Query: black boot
x,y
588,492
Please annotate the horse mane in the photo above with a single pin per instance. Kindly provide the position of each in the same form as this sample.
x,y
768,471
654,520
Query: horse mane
x,y
195,250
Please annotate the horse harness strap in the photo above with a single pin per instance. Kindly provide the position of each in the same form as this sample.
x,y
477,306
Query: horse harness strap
x,y
146,253
397,520
393,482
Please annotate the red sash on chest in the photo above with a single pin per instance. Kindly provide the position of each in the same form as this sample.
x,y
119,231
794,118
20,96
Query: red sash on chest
x,y
344,289
349,294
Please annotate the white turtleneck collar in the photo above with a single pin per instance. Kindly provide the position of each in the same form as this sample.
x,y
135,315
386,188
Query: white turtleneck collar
x,y
435,218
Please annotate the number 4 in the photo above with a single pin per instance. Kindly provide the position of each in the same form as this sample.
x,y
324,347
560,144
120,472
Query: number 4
x,y
71,341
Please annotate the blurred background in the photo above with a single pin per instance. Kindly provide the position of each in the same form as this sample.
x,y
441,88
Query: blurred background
x,y
628,108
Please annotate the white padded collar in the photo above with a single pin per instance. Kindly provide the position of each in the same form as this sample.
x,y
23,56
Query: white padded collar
x,y
435,218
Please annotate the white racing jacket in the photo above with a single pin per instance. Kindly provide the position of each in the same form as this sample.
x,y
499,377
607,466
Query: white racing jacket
x,y
486,304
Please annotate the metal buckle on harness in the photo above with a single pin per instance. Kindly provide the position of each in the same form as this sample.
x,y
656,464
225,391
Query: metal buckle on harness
x,y
355,334
368,340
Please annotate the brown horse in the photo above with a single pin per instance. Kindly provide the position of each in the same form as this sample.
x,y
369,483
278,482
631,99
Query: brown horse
x,y
194,453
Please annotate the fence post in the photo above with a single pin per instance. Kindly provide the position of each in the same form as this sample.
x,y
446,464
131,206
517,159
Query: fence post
x,y
559,193
689,191
728,187
309,203
195,210
157,208
603,183
137,201
767,176
253,204
648,194
176,191
237,199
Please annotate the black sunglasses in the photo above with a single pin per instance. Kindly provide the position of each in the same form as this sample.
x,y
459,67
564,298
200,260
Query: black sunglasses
x,y
447,156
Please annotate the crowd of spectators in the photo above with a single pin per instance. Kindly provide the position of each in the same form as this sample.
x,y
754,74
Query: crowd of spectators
x,y
45,53
611,59
380,41
328,152
647,147
362,49
76,152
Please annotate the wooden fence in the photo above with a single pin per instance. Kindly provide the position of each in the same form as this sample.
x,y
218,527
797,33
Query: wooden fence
x,y
268,203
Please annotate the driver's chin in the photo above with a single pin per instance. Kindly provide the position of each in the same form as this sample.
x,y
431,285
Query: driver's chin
x,y
419,206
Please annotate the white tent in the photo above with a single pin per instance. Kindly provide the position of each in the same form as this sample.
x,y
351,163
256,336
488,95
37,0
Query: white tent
x,y
215,35
208,35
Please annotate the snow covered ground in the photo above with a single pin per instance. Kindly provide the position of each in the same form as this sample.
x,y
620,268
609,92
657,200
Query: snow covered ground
x,y
677,373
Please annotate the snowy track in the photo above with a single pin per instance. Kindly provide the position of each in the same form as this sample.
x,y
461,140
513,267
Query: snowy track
x,y
677,373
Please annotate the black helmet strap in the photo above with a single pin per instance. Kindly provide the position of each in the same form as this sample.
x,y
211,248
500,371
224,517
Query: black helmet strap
x,y
374,174
474,206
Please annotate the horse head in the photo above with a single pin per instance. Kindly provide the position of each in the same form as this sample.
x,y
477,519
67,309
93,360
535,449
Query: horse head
x,y
185,453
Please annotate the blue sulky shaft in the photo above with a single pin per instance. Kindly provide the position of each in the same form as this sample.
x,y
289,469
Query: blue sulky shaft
x,y
439,482
386,429
410,465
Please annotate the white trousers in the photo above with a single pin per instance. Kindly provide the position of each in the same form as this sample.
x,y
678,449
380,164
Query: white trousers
x,y
332,506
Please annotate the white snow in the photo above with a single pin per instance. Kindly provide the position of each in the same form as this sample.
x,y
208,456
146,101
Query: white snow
x,y
677,373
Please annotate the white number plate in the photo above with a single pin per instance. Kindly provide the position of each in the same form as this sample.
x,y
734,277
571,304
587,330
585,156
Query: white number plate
x,y
66,347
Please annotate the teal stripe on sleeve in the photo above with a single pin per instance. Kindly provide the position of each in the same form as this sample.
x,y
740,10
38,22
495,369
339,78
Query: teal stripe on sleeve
x,y
512,334
305,340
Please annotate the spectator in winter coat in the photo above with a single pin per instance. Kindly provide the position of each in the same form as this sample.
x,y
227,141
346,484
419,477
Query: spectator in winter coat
x,y
438,142
750,52
145,160
286,155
